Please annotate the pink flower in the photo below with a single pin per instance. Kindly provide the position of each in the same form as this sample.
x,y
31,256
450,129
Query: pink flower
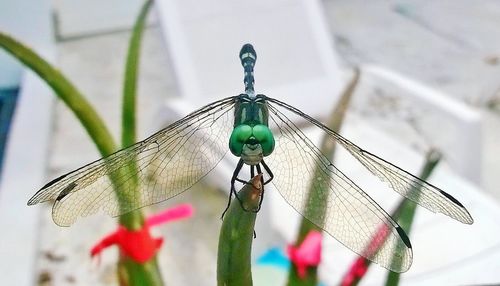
x,y
307,254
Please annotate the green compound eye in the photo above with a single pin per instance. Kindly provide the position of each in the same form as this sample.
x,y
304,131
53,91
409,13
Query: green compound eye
x,y
238,138
265,137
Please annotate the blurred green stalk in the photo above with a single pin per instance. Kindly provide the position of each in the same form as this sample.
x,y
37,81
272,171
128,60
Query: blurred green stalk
x,y
131,77
65,90
327,149
407,210
129,271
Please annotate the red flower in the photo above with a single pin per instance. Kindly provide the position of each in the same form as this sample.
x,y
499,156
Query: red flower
x,y
360,266
358,270
139,245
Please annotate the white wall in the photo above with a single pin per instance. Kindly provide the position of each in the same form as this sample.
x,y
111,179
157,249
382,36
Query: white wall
x,y
76,18
29,21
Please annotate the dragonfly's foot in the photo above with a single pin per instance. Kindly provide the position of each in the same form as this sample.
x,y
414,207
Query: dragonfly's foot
x,y
228,202
224,212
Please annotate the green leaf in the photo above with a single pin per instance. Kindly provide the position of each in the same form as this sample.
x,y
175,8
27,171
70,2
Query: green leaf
x,y
236,236
335,123
132,220
65,90
130,272
74,100
404,214
408,209
130,80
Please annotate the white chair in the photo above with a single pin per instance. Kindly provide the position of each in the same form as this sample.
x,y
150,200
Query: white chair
x,y
296,63
440,121
204,40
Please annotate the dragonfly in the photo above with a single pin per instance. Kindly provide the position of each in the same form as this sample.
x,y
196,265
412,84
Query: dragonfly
x,y
263,135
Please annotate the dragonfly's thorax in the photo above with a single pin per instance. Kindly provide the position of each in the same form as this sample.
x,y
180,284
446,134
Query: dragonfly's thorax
x,y
251,110
251,138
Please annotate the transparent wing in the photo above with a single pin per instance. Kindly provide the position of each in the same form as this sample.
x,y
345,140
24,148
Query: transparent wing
x,y
167,163
350,216
404,183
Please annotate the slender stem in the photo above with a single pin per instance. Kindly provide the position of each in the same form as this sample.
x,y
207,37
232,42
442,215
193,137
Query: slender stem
x,y
135,274
328,150
131,272
404,214
72,97
131,78
408,209
132,220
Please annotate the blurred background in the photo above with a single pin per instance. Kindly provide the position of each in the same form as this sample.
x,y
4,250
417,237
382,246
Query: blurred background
x,y
430,78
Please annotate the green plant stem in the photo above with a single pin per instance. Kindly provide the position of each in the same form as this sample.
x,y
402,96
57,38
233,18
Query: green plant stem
x,y
75,101
131,272
135,274
407,211
236,236
72,97
131,78
133,220
327,149
129,103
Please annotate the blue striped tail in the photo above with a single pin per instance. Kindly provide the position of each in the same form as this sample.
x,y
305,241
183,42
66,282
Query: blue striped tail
x,y
248,57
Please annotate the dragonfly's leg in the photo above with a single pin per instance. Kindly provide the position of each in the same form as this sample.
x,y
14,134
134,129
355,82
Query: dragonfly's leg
x,y
269,172
252,171
233,189
241,181
228,204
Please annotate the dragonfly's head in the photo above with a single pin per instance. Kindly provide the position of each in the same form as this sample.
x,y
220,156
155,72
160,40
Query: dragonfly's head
x,y
251,143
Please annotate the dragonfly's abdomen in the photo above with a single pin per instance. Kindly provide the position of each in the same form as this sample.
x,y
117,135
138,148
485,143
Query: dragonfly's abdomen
x,y
248,56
